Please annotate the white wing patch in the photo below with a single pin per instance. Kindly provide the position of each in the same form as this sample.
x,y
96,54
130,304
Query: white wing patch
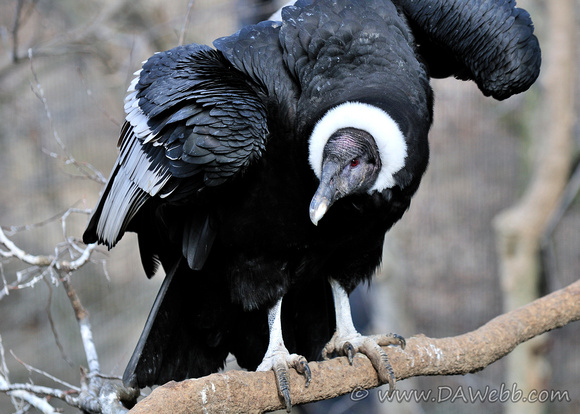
x,y
136,179
132,185
387,134
135,115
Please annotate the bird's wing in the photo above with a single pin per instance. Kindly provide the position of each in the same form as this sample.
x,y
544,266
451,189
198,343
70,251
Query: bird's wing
x,y
202,111
256,51
489,41
193,121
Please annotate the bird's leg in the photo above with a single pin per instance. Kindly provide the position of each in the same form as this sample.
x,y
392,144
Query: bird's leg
x,y
278,358
347,341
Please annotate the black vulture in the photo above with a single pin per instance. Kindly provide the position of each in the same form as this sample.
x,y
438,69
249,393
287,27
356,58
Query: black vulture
x,y
263,173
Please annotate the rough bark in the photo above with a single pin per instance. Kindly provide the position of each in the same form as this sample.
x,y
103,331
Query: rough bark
x,y
254,392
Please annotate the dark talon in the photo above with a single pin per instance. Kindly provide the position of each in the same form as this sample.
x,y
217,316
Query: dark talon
x,y
283,386
402,341
348,350
391,379
307,373
286,394
391,390
302,368
390,339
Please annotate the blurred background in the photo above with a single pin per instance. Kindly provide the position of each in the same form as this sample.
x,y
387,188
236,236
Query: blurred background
x,y
441,274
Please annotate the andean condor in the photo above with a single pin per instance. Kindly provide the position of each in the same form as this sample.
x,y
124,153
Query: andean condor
x,y
257,172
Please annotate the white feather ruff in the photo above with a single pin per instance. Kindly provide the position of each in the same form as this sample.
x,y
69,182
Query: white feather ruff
x,y
387,134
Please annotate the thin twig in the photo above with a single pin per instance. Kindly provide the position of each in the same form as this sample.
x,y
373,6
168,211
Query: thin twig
x,y
40,404
53,326
30,368
185,22
18,392
15,29
82,167
4,291
11,230
88,171
20,18
42,390
96,103
3,367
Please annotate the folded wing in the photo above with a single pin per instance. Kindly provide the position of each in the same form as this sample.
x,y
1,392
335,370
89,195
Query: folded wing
x,y
193,121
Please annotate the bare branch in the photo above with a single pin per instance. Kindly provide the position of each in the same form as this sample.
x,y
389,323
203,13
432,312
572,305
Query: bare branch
x,y
86,169
24,392
15,251
80,40
3,367
12,251
244,391
42,390
40,404
97,394
4,290
82,316
42,265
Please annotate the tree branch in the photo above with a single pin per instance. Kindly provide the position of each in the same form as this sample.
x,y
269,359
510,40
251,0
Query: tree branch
x,y
8,249
244,391
97,394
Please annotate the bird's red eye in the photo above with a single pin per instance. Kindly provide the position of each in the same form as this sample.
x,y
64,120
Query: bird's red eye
x,y
354,162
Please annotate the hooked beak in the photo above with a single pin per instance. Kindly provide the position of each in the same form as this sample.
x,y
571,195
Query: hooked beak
x,y
326,194
318,207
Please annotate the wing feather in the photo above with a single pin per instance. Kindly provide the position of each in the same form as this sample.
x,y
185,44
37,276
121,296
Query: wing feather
x,y
489,41
193,120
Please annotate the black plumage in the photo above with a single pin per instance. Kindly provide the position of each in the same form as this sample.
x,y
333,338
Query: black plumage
x,y
225,150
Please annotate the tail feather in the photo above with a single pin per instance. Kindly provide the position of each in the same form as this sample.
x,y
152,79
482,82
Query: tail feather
x,y
184,336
